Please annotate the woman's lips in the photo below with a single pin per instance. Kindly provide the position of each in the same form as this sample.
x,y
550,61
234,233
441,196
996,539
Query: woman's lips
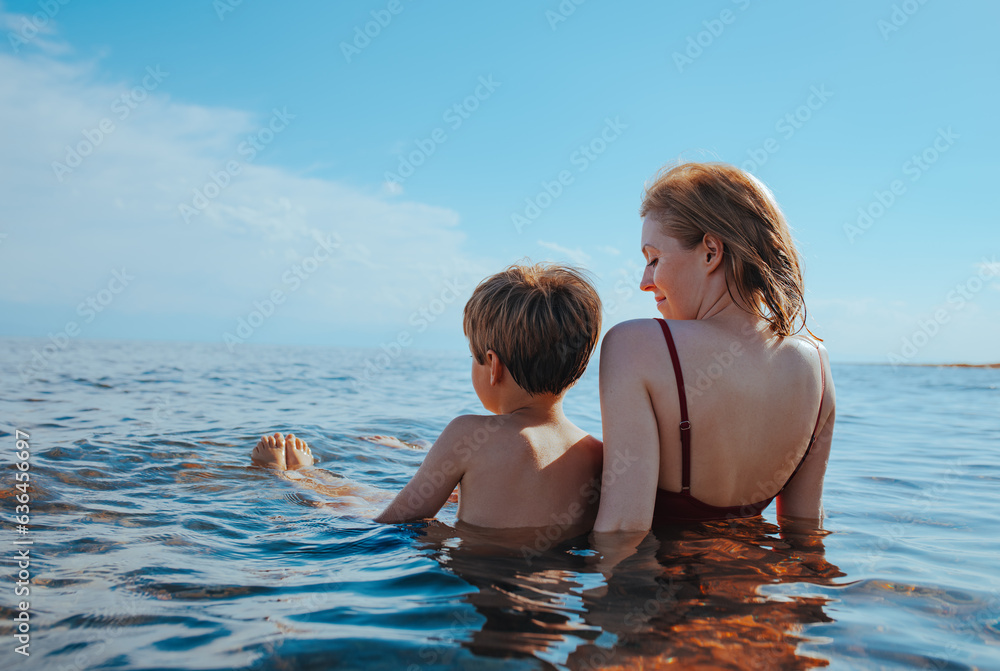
x,y
660,301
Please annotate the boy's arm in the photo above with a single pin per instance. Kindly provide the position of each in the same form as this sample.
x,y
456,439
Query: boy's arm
x,y
435,480
392,441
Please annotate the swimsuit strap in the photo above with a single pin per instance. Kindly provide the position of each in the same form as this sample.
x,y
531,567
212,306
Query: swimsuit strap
x,y
812,439
685,425
822,393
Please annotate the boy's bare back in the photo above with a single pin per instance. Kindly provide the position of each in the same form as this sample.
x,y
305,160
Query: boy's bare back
x,y
529,468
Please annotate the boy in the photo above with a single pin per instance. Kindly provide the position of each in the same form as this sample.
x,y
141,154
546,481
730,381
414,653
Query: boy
x,y
531,330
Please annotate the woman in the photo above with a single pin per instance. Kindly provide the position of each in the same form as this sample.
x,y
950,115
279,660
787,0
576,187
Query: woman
x,y
721,408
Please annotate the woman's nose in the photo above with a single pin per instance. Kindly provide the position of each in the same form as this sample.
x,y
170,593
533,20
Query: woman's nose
x,y
646,284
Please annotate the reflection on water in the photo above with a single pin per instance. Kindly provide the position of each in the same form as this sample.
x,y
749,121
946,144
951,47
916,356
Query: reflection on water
x,y
694,595
156,546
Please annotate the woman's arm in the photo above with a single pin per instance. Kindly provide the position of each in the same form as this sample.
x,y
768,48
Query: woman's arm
x,y
435,480
803,497
631,436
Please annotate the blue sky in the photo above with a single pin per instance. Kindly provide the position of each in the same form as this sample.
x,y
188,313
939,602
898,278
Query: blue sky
x,y
272,174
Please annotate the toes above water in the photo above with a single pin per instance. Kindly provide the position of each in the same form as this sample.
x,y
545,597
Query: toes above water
x,y
266,453
297,453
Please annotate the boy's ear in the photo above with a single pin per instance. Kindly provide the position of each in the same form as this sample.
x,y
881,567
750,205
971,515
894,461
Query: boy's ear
x,y
496,367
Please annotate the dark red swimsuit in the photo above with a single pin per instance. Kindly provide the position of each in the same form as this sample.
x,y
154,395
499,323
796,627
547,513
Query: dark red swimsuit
x,y
673,507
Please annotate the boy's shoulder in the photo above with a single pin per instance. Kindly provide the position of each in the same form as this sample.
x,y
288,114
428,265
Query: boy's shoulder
x,y
594,445
465,424
592,449
467,434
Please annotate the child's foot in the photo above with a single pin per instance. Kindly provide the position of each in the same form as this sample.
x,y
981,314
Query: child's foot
x,y
282,453
269,452
297,453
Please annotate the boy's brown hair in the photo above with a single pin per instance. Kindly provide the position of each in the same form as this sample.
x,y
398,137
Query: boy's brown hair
x,y
542,320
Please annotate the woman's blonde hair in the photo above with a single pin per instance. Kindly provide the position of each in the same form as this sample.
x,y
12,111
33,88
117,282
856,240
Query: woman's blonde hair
x,y
691,199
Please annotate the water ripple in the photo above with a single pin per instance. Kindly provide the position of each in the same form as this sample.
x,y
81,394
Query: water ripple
x,y
158,546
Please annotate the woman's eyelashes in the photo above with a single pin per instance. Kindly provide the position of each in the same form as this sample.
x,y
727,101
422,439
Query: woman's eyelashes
x,y
651,262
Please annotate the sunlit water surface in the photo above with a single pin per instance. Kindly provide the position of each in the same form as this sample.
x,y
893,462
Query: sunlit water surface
x,y
157,546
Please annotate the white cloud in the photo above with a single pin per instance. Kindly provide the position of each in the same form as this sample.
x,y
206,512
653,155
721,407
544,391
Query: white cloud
x,y
24,32
120,207
392,188
608,249
989,268
577,256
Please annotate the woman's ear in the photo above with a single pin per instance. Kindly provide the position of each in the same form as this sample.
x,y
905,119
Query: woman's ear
x,y
712,250
496,367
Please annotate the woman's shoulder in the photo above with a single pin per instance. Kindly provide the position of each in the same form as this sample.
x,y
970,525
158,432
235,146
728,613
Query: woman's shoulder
x,y
809,354
633,327
635,338
639,340
631,339
651,334
808,351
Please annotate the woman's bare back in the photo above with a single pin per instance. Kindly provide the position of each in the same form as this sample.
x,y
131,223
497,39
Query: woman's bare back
x,y
752,402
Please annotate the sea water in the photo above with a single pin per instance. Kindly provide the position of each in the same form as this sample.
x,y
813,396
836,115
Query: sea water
x,y
154,544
